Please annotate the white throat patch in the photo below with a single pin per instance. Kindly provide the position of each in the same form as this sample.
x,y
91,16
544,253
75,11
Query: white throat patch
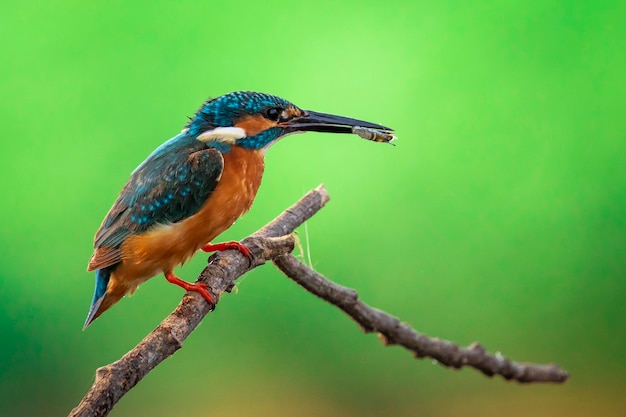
x,y
227,135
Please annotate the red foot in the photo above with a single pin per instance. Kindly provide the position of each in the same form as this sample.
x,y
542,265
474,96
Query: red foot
x,y
199,287
209,247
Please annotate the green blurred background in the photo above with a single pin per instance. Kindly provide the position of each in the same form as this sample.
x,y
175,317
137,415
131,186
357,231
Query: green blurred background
x,y
498,217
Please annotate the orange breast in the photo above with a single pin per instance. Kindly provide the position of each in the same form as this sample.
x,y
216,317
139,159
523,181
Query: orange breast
x,y
167,246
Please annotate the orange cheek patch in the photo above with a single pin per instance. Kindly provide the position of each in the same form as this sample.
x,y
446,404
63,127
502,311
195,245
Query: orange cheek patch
x,y
293,112
253,125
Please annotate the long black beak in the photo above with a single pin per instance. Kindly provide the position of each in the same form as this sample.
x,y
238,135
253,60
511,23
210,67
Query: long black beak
x,y
312,121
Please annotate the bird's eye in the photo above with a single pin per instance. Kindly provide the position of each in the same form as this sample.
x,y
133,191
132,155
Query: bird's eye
x,y
272,113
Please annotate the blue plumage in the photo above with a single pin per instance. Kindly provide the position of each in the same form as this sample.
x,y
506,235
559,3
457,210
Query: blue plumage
x,y
102,281
260,140
222,111
169,186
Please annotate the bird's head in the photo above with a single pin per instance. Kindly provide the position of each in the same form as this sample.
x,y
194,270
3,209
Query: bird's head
x,y
256,120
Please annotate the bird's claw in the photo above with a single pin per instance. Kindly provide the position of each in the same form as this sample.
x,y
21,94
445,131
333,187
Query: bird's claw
x,y
199,287
214,247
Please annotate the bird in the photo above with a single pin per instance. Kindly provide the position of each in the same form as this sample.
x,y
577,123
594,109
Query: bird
x,y
192,188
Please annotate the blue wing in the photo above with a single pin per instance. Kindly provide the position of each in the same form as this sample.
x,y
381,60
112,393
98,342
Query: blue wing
x,y
171,185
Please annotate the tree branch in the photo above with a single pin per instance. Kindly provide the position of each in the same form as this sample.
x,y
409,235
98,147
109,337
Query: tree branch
x,y
274,242
393,332
116,379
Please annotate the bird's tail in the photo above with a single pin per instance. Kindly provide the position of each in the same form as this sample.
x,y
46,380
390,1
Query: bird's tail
x,y
102,299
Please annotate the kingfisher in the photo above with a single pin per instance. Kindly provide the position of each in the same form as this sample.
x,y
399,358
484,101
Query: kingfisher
x,y
192,188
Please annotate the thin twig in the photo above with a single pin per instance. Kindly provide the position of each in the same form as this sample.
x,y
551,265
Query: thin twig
x,y
394,332
116,379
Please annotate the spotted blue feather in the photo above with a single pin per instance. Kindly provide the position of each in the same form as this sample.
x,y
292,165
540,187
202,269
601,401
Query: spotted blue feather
x,y
171,185
222,111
